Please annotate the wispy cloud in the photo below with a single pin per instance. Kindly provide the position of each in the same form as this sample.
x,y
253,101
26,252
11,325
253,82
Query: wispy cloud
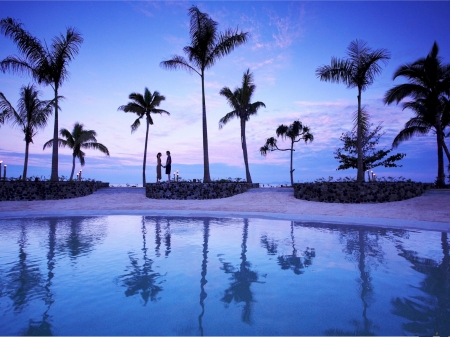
x,y
288,28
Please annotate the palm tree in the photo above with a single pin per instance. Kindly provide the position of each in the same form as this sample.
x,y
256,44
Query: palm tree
x,y
31,114
239,100
144,106
429,88
207,46
295,132
76,140
359,71
46,65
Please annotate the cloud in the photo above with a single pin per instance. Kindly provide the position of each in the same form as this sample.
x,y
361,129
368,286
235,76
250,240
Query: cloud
x,y
289,28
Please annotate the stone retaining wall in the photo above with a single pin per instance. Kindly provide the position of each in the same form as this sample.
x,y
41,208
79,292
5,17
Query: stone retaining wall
x,y
355,193
47,190
188,191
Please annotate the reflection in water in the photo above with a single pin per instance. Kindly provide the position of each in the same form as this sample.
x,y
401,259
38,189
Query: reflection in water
x,y
24,280
242,278
356,270
296,261
269,244
362,246
428,314
82,238
43,327
203,280
141,278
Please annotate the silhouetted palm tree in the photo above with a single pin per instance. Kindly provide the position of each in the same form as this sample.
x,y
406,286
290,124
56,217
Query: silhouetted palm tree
x,y
31,114
239,100
207,46
76,140
144,106
295,132
47,65
358,71
429,88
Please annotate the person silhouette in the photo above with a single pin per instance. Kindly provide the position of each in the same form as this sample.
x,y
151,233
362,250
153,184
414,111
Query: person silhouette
x,y
168,165
158,167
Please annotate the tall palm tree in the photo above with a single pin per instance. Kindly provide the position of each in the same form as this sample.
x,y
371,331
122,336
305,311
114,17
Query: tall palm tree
x,y
295,132
358,71
144,106
239,100
31,114
76,140
207,46
46,64
429,88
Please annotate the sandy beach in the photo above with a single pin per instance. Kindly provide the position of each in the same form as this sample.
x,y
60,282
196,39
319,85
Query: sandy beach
x,y
429,211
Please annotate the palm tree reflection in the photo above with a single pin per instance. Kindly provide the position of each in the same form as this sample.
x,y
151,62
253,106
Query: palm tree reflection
x,y
43,327
363,247
269,244
241,280
141,279
428,314
203,280
296,261
25,276
82,237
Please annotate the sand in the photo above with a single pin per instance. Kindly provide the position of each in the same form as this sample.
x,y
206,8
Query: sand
x,y
429,211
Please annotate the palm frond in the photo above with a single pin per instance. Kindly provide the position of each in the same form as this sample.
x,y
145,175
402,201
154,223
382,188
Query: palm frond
x,y
408,133
178,62
27,44
96,146
338,72
227,42
401,91
6,109
229,116
61,143
282,131
17,65
136,124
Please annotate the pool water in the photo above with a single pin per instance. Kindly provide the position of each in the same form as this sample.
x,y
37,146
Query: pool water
x,y
135,275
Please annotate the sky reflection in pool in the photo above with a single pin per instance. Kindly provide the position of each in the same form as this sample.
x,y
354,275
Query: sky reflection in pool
x,y
131,275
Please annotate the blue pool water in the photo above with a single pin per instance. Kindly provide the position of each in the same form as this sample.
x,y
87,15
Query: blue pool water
x,y
134,275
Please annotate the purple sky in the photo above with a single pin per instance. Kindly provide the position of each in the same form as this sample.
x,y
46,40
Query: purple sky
x,y
124,42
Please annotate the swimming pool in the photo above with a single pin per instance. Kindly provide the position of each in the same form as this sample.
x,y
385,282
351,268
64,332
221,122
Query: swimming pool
x,y
156,275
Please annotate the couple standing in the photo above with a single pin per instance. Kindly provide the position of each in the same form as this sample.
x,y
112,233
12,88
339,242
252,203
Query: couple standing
x,y
167,167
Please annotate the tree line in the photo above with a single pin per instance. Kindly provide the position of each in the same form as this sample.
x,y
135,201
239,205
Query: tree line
x,y
426,93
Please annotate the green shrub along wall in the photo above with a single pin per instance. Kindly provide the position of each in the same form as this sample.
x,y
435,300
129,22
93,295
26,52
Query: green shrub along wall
x,y
355,193
47,190
188,190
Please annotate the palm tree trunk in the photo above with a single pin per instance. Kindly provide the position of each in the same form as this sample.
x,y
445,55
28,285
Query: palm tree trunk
x,y
73,167
54,174
244,150
206,175
292,171
359,163
25,164
447,153
145,154
440,140
444,146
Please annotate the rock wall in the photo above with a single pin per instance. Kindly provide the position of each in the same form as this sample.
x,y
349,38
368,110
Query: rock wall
x,y
189,191
47,190
355,193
